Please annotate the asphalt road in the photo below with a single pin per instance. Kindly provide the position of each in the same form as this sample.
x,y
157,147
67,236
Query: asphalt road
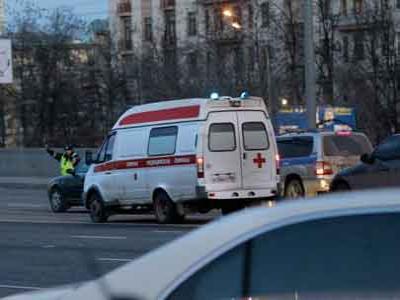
x,y
40,249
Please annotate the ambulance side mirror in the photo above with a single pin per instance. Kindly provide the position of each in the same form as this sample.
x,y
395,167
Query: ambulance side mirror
x,y
89,158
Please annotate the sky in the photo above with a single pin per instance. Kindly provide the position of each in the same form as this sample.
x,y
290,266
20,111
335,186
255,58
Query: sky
x,y
90,9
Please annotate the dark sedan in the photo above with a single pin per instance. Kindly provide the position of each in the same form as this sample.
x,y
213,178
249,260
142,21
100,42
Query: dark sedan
x,y
377,170
66,191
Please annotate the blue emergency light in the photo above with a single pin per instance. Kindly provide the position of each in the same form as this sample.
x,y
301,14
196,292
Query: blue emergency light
x,y
244,95
214,96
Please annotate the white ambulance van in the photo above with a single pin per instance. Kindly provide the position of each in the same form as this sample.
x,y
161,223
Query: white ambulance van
x,y
184,156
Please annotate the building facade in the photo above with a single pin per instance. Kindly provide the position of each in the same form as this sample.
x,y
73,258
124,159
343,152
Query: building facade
x,y
222,45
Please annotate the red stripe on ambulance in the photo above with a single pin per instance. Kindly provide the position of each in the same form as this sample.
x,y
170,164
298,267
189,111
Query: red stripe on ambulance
x,y
186,112
146,163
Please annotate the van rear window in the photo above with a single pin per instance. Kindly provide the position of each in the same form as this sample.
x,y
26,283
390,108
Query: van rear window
x,y
162,141
222,137
354,145
295,147
255,136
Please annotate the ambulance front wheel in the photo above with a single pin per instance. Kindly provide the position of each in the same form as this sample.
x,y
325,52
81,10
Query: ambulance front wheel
x,y
98,212
165,210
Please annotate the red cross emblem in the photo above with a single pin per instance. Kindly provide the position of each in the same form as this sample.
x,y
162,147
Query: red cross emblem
x,y
259,160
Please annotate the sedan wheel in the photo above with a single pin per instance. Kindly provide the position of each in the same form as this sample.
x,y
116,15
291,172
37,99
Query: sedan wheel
x,y
57,201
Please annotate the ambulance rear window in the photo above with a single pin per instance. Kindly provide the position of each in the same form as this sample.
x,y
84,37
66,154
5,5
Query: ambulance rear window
x,y
222,137
255,136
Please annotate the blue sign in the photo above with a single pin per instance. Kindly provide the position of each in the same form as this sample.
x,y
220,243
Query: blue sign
x,y
330,118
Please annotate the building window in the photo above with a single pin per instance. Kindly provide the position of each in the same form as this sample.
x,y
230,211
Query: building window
x,y
357,6
251,16
192,24
398,43
346,49
192,63
265,14
127,33
170,27
359,46
344,7
398,4
148,29
207,21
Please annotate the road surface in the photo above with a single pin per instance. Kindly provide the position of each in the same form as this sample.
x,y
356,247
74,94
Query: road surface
x,y
41,249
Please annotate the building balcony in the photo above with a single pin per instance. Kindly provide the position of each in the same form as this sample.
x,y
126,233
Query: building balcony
x,y
353,22
227,36
167,4
125,45
210,2
124,7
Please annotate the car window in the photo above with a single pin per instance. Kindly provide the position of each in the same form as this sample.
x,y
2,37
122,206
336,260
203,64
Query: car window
x,y
346,257
162,141
344,145
389,149
222,137
102,152
255,136
295,147
81,168
221,279
110,148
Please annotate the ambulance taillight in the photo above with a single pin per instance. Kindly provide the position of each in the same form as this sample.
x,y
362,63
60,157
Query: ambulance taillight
x,y
200,167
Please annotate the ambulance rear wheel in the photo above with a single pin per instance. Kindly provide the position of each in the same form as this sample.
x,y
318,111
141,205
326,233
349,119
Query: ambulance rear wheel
x,y
164,209
98,212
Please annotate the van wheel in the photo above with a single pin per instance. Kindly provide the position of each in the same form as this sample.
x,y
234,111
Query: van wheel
x,y
341,187
98,213
227,210
57,201
294,189
164,209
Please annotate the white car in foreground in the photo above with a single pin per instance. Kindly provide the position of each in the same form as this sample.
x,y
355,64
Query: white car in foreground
x,y
342,246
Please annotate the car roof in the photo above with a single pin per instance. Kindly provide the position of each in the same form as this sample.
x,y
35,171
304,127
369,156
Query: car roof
x,y
155,274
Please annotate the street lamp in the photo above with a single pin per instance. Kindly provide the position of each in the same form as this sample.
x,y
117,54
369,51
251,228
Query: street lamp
x,y
227,13
284,102
236,25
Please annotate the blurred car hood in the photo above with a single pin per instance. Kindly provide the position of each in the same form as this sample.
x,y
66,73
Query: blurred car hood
x,y
45,294
145,279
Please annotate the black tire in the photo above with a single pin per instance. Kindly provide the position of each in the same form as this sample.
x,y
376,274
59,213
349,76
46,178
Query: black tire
x,y
294,189
340,187
165,210
98,212
57,201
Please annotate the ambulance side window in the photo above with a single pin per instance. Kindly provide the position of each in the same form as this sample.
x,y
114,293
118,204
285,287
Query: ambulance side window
x,y
105,154
110,148
162,141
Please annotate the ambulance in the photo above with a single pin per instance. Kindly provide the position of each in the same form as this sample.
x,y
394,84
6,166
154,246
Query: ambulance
x,y
178,157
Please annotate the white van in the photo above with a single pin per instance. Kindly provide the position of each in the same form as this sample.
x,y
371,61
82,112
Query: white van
x,y
184,156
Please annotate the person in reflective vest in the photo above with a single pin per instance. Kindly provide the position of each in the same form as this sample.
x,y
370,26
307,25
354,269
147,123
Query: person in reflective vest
x,y
68,160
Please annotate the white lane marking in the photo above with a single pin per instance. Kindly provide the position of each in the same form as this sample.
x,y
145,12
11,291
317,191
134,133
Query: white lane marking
x,y
24,205
125,223
98,237
18,287
169,231
114,259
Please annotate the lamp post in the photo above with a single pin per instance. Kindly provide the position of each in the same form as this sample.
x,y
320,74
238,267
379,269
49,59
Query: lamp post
x,y
309,56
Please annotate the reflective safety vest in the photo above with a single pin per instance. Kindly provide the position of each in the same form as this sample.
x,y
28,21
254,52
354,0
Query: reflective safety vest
x,y
65,165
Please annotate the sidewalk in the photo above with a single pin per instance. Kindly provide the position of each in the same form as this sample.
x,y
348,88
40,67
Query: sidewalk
x,y
24,182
